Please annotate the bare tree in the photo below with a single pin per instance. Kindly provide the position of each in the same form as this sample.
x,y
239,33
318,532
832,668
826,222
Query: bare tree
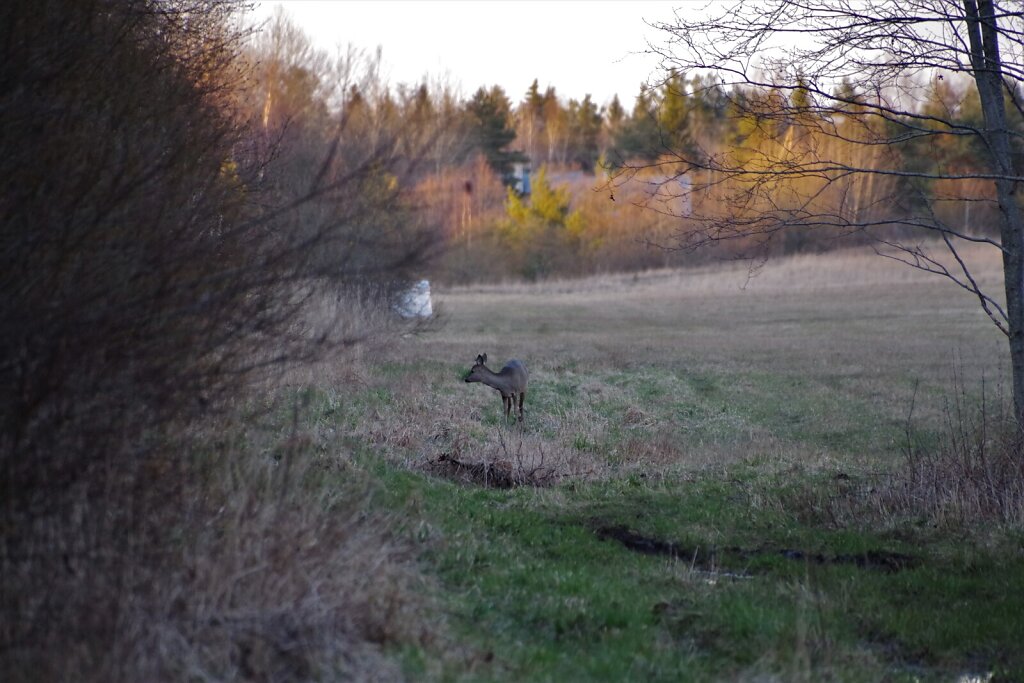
x,y
842,130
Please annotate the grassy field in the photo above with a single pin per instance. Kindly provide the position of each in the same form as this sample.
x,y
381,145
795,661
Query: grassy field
x,y
707,484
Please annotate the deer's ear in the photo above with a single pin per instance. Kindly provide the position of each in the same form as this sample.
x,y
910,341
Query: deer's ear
x,y
483,358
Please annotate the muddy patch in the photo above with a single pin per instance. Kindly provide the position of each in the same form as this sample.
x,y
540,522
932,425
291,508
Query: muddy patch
x,y
882,560
647,545
701,560
706,558
496,474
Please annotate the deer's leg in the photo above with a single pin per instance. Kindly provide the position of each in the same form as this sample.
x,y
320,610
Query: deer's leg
x,y
506,403
522,397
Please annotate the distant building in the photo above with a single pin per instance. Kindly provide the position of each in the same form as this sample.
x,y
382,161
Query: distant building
x,y
521,177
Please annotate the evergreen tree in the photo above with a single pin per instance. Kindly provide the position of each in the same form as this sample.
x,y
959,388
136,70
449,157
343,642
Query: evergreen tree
x,y
531,120
490,118
615,115
542,234
638,136
674,113
585,126
709,122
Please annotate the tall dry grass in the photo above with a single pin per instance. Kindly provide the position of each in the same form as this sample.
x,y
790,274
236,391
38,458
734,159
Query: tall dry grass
x,y
969,478
973,476
249,567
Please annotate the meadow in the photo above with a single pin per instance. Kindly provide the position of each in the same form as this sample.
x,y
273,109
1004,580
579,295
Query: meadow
x,y
226,458
723,474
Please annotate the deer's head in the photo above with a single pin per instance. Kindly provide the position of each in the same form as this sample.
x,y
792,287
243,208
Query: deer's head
x,y
474,373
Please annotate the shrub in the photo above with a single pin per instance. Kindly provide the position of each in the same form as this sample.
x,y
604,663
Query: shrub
x,y
154,259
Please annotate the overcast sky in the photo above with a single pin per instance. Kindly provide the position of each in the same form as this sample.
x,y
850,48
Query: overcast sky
x,y
580,47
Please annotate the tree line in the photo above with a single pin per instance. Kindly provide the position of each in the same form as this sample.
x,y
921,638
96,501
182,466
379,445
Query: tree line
x,y
639,180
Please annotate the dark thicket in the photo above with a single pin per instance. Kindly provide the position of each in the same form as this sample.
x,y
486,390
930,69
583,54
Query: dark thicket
x,y
157,245
124,257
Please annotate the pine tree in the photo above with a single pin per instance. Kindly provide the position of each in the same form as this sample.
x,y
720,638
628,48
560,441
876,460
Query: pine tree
x,y
585,131
639,136
490,117
674,114
531,118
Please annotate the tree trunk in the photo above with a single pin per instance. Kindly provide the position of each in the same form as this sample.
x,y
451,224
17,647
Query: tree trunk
x,y
985,61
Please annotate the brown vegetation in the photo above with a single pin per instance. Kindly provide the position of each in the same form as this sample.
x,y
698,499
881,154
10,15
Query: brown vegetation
x,y
970,479
164,242
194,215
617,364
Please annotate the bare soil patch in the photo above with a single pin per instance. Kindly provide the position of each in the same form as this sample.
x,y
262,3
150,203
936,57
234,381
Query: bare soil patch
x,y
708,558
498,474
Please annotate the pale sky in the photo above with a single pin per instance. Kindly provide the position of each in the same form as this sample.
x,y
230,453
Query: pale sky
x,y
577,46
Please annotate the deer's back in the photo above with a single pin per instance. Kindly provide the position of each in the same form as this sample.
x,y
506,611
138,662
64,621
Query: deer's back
x,y
516,373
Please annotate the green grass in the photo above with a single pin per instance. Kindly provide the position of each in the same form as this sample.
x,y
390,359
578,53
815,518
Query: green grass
x,y
742,437
534,593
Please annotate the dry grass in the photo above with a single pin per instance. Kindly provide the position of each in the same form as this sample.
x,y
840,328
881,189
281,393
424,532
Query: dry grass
x,y
443,433
248,569
663,382
971,479
222,555
838,310
975,479
642,372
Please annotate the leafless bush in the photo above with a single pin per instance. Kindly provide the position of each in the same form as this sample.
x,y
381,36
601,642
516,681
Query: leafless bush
x,y
155,256
970,477
974,476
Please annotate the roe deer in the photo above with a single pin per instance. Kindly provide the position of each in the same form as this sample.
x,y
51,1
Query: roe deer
x,y
510,382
